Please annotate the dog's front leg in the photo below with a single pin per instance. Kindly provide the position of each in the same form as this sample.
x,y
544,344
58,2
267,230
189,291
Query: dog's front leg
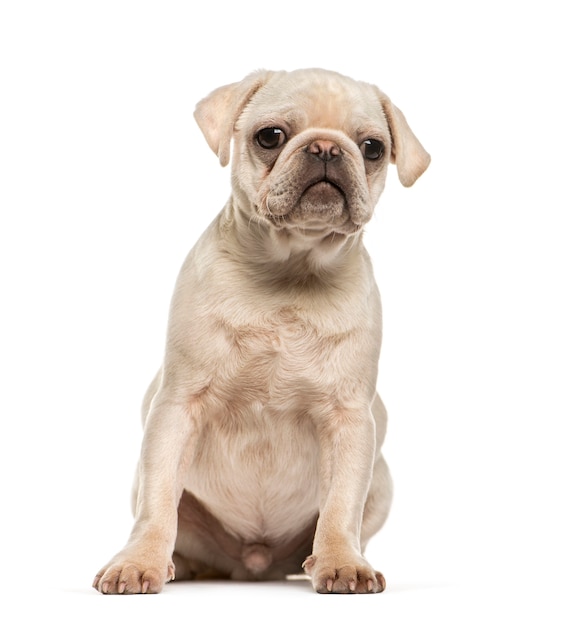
x,y
145,563
347,447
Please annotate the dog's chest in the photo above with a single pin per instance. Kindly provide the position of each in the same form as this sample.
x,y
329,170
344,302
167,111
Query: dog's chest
x,y
268,372
275,359
258,431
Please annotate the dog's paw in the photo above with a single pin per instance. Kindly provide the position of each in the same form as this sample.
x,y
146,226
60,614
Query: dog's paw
x,y
338,575
126,574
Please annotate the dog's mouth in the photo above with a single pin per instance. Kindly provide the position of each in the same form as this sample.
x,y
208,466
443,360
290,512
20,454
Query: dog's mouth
x,y
322,208
316,196
323,197
325,187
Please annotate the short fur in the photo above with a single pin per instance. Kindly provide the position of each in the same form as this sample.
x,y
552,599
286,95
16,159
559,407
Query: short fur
x,y
263,429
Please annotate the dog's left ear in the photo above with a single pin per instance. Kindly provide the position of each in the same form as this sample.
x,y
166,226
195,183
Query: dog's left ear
x,y
218,112
408,154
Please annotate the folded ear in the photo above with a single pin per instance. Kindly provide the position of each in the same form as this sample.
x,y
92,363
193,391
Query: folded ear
x,y
408,154
218,112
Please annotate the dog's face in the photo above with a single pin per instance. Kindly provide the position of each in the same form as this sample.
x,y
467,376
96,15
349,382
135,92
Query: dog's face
x,y
313,152
311,148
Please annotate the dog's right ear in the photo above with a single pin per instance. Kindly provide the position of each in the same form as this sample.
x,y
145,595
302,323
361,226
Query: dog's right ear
x,y
218,112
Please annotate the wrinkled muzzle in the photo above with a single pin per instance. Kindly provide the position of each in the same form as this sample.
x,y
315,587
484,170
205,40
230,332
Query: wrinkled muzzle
x,y
318,181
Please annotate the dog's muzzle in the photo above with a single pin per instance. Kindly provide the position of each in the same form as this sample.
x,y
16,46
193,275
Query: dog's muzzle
x,y
318,185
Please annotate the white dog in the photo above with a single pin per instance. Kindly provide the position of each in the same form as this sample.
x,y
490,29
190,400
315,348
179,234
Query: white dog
x,y
263,428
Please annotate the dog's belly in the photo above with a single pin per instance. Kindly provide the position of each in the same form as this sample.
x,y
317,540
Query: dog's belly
x,y
256,471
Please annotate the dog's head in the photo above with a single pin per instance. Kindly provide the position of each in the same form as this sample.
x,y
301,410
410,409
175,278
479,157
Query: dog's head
x,y
311,148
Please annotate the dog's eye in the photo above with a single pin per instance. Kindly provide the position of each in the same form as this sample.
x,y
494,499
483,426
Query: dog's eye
x,y
372,149
270,138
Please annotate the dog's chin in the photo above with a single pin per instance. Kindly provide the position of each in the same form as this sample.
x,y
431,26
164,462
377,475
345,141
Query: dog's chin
x,y
323,198
321,210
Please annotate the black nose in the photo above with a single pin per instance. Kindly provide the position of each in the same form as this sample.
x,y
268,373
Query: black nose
x,y
324,149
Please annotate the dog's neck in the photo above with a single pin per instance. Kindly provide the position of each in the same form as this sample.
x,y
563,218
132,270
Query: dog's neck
x,y
289,255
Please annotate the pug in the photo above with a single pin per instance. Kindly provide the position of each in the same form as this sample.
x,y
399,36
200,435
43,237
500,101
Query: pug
x,y
263,429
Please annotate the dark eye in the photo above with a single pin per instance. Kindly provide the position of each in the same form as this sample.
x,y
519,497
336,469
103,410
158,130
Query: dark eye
x,y
372,149
270,138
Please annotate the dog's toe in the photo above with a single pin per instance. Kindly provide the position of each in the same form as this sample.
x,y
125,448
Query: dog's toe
x,y
129,577
357,576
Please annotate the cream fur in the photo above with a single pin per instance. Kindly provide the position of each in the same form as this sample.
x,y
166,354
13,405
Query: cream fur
x,y
263,428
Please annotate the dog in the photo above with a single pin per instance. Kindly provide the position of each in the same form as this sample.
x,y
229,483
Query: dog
x,y
261,453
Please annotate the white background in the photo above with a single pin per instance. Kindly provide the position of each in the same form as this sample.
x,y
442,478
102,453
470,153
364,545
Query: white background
x,y
106,182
